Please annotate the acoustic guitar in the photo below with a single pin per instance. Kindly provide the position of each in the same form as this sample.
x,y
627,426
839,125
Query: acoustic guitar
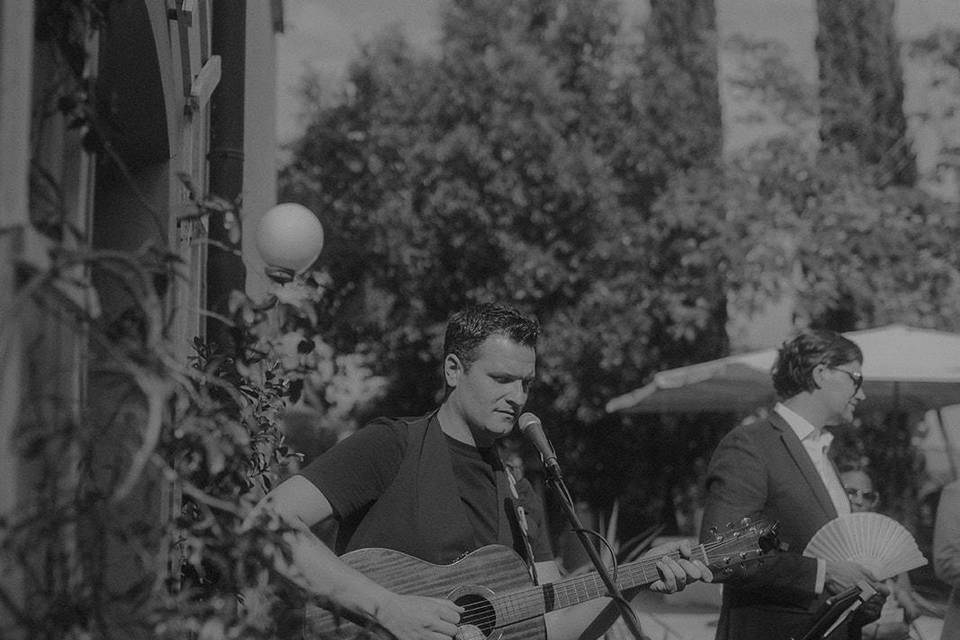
x,y
495,588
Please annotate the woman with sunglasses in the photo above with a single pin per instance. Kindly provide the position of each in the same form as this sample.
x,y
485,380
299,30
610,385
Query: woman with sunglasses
x,y
900,610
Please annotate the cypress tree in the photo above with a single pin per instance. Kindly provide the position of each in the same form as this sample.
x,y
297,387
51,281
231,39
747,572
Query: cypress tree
x,y
861,86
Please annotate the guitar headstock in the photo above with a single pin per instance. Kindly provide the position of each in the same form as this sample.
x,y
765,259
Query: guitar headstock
x,y
740,543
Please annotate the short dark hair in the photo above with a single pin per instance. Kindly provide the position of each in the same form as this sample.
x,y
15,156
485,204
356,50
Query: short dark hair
x,y
797,358
468,328
849,464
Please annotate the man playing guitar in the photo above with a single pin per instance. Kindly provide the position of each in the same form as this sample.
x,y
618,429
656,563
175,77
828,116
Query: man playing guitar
x,y
435,489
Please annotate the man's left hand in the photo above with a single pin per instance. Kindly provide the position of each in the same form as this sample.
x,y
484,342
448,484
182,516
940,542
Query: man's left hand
x,y
675,574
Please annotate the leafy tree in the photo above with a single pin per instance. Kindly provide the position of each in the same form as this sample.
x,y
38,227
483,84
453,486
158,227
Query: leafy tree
x,y
535,160
680,65
522,164
868,252
888,253
861,85
942,45
775,91
937,59
490,172
856,250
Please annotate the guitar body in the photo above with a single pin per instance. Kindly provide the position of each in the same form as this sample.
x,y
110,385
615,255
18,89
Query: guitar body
x,y
469,582
500,600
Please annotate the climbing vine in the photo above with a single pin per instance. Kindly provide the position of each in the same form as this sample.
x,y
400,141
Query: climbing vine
x,y
133,514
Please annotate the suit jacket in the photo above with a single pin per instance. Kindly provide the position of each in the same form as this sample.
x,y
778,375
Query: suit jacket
x,y
762,469
946,555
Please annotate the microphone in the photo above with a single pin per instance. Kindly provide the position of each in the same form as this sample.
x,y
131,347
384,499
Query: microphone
x,y
532,429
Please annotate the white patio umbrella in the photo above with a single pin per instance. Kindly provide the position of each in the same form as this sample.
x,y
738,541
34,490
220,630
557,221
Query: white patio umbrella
x,y
903,367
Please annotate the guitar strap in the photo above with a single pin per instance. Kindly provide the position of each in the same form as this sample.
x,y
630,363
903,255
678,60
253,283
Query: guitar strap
x,y
518,518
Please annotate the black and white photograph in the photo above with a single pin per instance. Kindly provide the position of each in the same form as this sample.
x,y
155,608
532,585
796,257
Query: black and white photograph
x,y
480,319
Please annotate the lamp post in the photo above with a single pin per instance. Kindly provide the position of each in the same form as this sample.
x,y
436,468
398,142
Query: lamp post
x,y
289,239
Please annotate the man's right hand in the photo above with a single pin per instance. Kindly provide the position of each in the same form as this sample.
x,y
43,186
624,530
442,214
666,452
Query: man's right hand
x,y
419,618
842,575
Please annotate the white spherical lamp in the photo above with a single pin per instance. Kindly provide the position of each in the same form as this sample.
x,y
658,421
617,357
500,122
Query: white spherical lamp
x,y
289,238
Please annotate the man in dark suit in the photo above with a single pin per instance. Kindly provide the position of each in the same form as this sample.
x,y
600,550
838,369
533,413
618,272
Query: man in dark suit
x,y
777,468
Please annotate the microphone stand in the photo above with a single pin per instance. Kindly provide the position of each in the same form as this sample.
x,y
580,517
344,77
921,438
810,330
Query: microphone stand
x,y
555,480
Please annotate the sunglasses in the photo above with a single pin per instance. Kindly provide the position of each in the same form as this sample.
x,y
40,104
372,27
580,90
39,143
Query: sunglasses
x,y
866,496
855,377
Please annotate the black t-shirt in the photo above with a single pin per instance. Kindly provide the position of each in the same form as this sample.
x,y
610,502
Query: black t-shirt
x,y
474,470
355,473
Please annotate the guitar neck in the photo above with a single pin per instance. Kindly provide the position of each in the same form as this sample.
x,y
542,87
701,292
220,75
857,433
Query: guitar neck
x,y
573,591
536,601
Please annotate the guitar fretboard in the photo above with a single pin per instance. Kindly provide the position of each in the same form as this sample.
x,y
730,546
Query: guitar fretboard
x,y
536,601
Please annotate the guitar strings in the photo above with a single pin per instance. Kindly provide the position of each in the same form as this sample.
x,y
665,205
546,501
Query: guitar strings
x,y
532,596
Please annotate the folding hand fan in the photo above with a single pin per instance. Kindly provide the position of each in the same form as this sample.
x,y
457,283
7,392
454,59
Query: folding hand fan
x,y
879,543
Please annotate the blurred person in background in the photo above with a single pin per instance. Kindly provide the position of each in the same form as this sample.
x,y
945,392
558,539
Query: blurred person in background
x,y
905,605
946,555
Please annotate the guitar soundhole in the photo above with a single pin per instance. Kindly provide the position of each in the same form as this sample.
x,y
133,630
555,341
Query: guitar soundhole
x,y
477,611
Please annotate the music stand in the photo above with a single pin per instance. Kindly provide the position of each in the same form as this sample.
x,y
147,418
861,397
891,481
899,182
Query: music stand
x,y
835,610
